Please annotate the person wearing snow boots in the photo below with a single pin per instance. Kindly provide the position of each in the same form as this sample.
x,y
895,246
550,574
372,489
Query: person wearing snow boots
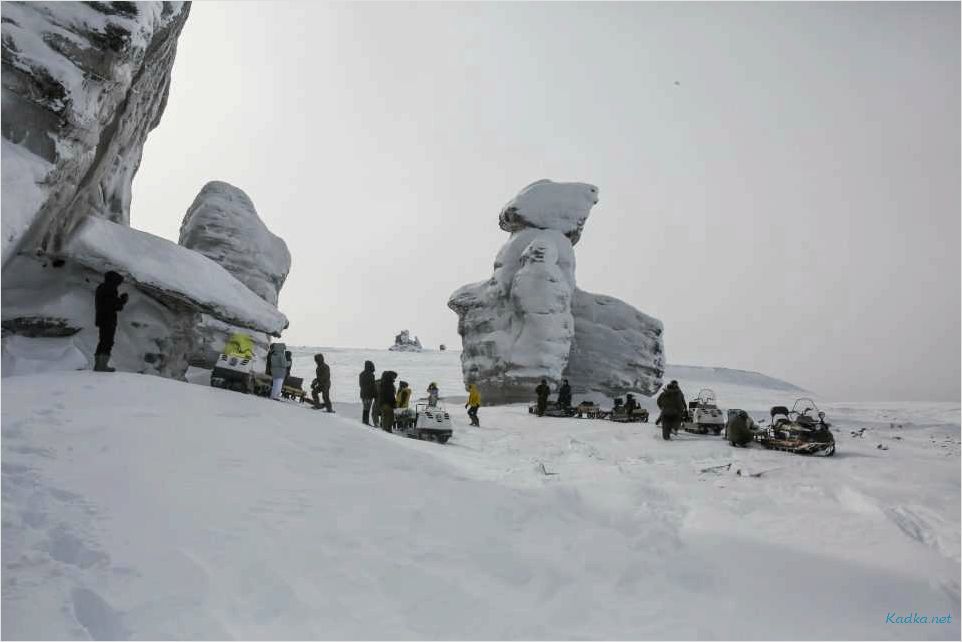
x,y
474,402
738,431
403,395
368,391
564,394
321,386
387,397
671,402
542,391
433,394
107,303
630,405
277,365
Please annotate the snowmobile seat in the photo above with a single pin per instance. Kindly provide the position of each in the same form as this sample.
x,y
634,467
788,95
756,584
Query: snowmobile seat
x,y
779,410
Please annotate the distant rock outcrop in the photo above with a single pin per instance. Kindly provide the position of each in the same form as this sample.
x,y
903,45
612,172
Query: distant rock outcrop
x,y
404,343
529,321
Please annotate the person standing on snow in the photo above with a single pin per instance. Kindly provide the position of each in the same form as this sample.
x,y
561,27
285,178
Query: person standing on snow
x,y
671,402
474,402
277,364
368,391
387,397
630,405
564,394
542,391
403,395
107,303
738,431
433,394
321,386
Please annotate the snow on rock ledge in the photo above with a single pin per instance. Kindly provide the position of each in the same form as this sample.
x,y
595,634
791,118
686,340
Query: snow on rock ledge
x,y
172,274
529,321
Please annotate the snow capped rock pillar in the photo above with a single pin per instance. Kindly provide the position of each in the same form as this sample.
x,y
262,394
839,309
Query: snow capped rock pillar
x,y
223,225
529,321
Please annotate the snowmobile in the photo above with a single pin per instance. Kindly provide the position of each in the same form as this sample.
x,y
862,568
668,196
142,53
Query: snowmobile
x,y
424,421
234,369
619,413
704,415
553,410
801,430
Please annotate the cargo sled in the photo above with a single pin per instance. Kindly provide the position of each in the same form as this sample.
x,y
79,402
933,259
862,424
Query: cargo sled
x,y
704,415
801,430
553,410
589,410
424,421
234,369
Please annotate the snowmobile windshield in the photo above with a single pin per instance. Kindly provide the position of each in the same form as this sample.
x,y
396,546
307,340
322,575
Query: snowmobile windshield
x,y
805,406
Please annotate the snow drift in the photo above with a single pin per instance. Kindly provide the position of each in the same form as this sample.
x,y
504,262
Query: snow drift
x,y
529,321
142,508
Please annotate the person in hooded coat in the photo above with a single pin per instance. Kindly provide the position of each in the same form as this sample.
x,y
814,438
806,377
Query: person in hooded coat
x,y
277,364
474,402
387,397
564,394
671,402
433,394
368,387
542,391
738,431
403,395
321,386
107,303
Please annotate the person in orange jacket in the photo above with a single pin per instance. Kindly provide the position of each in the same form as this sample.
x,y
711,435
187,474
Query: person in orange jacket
x,y
474,402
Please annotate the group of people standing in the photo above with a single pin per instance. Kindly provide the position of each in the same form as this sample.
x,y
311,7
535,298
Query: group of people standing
x,y
380,399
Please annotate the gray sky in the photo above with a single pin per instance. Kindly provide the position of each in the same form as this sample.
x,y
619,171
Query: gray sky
x,y
792,206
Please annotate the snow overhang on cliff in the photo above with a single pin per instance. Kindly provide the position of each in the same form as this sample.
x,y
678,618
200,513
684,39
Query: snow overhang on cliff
x,y
172,273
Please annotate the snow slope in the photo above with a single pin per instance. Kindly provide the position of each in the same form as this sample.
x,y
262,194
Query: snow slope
x,y
136,506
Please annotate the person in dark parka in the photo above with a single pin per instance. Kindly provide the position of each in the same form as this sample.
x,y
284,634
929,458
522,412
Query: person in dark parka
x,y
387,397
738,431
671,402
107,303
321,386
542,391
368,387
631,405
564,394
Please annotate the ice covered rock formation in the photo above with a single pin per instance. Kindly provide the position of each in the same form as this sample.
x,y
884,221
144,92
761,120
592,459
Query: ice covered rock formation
x,y
223,225
404,343
83,85
529,321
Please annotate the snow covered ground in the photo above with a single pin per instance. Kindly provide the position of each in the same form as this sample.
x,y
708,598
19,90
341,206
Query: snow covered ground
x,y
140,507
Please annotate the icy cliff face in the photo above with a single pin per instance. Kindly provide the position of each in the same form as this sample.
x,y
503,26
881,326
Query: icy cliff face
x,y
83,85
529,321
223,225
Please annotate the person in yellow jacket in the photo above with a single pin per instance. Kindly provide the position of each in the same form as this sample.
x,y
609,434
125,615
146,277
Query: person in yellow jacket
x,y
403,395
474,402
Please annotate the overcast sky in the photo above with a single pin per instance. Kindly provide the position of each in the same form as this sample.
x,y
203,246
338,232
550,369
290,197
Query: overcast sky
x,y
779,183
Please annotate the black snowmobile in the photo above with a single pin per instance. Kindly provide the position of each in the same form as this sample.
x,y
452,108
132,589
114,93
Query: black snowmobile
x,y
801,430
553,410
